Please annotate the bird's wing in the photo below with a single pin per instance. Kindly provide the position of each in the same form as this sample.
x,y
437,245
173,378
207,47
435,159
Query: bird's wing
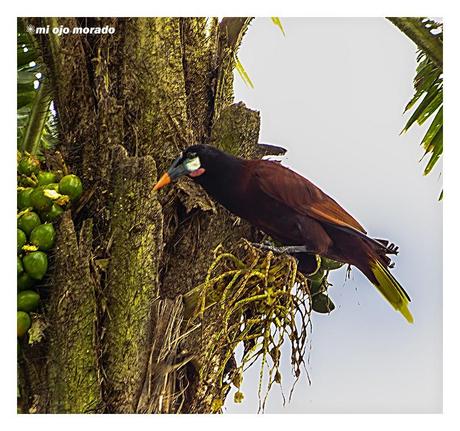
x,y
298,193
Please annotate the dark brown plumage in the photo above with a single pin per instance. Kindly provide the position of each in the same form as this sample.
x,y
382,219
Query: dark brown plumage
x,y
293,211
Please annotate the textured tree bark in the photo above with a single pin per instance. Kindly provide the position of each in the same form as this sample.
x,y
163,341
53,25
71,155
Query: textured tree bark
x,y
127,104
132,278
73,375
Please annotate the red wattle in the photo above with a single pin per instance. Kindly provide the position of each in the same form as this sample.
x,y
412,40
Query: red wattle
x,y
197,173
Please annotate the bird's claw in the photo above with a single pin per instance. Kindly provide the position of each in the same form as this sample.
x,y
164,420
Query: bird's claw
x,y
282,250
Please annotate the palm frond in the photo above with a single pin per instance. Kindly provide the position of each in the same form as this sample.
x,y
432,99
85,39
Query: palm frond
x,y
428,84
427,101
36,123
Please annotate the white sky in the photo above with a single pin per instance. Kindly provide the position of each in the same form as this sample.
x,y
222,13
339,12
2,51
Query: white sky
x,y
332,92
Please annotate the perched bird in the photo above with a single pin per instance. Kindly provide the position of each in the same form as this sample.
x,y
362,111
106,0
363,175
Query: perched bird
x,y
292,210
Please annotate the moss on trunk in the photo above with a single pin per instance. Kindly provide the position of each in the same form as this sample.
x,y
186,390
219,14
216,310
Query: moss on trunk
x,y
132,279
73,371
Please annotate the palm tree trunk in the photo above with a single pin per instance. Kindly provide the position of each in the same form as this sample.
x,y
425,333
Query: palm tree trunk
x,y
127,104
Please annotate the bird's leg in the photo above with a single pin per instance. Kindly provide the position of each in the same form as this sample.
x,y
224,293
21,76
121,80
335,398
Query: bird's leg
x,y
282,250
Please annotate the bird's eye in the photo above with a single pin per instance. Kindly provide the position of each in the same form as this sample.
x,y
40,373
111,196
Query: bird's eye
x,y
191,155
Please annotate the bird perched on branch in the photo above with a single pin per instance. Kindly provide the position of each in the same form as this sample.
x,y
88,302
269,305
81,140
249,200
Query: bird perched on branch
x,y
293,211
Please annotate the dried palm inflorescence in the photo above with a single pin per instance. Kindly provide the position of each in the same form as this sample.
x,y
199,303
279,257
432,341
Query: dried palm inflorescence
x,y
263,301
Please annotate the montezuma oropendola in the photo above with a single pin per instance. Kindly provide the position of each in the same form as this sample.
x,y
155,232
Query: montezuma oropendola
x,y
292,210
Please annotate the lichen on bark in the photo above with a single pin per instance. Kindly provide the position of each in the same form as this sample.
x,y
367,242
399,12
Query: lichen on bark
x,y
73,371
132,278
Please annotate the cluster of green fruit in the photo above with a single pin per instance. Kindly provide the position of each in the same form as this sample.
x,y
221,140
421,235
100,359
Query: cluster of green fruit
x,y
42,198
320,301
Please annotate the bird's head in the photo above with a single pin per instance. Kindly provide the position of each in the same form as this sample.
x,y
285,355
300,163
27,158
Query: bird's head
x,y
193,162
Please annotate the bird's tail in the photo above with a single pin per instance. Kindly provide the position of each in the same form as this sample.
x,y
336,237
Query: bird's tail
x,y
389,287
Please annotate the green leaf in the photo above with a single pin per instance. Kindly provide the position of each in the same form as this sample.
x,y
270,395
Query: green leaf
x,y
26,76
431,132
422,85
426,77
244,76
277,22
25,98
420,109
430,109
436,153
25,57
25,88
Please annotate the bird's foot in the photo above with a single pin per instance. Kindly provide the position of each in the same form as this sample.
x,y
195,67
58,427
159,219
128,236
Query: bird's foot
x,y
282,250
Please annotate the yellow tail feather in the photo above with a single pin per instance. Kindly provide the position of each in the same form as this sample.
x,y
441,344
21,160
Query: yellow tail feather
x,y
393,292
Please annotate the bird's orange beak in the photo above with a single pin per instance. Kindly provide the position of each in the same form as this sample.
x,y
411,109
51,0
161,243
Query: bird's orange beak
x,y
163,181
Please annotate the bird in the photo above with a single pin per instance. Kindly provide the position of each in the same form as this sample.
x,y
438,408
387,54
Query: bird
x,y
293,211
